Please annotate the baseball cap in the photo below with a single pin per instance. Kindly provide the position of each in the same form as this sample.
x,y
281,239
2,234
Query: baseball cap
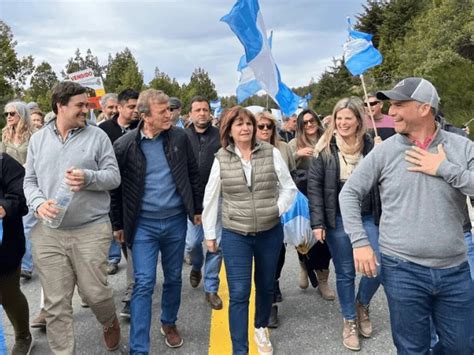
x,y
412,89
175,103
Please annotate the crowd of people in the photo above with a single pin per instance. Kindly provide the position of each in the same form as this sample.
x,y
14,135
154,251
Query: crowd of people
x,y
387,197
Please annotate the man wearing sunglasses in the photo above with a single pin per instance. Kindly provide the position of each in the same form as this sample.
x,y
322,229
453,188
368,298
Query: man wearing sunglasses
x,y
384,123
205,142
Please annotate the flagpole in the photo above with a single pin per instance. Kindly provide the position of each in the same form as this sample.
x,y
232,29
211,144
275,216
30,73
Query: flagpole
x,y
267,102
371,114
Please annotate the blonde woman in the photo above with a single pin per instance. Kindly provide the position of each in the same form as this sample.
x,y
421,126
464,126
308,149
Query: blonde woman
x,y
343,145
17,131
267,132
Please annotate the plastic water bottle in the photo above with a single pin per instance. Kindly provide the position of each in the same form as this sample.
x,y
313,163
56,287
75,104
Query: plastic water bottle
x,y
63,199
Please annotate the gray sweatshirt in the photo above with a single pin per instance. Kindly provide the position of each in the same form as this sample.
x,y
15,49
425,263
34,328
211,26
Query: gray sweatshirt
x,y
49,157
422,215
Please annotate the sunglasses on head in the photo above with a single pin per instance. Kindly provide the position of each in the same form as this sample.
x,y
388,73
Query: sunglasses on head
x,y
373,103
265,125
6,114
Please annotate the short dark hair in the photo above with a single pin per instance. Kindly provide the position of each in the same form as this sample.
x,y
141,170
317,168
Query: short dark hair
x,y
199,98
63,91
235,113
128,94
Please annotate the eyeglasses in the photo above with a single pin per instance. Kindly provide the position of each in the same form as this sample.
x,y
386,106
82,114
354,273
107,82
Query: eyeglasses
x,y
311,121
265,126
373,103
11,113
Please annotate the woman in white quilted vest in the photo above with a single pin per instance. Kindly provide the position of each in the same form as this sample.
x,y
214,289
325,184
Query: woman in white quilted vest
x,y
251,181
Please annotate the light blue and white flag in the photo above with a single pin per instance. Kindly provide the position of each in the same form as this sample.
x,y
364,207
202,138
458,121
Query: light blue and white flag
x,y
246,21
359,52
216,106
248,84
303,103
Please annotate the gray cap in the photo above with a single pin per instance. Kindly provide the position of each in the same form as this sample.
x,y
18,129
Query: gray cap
x,y
32,106
412,89
175,103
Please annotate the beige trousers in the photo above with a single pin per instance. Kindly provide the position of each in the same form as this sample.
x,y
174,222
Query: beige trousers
x,y
64,259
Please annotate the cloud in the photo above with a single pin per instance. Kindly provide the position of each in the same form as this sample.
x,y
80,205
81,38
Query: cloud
x,y
179,36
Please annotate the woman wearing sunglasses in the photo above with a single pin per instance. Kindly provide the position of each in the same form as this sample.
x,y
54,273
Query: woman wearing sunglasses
x,y
340,149
315,264
17,131
267,132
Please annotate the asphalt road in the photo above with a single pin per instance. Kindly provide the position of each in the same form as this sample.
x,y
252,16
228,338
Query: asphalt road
x,y
308,324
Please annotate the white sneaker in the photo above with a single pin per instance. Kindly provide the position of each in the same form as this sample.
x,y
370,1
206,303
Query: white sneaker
x,y
262,339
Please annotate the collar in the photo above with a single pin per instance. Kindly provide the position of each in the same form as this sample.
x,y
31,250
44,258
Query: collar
x,y
426,143
70,133
145,137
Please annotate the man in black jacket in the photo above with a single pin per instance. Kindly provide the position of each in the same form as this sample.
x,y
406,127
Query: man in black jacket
x,y
117,126
160,190
205,142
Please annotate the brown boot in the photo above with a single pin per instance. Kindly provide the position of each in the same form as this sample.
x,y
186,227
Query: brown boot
x,y
40,320
350,335
112,335
303,281
365,326
172,337
324,289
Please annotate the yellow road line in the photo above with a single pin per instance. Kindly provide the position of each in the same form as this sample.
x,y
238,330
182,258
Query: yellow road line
x,y
219,337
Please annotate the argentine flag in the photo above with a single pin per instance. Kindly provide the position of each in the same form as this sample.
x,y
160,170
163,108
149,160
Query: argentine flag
x,y
246,21
359,52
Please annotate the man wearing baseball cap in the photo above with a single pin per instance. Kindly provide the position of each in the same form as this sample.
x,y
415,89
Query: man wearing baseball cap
x,y
424,175
175,108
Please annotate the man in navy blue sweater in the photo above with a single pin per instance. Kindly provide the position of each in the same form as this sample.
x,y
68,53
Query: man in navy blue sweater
x,y
160,190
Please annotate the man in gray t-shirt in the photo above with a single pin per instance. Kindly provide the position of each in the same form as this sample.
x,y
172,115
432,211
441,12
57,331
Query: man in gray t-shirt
x,y
424,175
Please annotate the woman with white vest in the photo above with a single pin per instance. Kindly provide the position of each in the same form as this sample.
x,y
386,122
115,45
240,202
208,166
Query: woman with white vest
x,y
256,188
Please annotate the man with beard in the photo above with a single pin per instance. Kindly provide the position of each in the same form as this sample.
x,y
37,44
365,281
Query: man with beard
x,y
205,142
68,150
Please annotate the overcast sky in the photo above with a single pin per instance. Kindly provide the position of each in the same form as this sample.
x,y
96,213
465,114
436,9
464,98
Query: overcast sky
x,y
178,36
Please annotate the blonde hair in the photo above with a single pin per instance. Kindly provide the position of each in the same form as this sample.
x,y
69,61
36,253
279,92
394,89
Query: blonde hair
x,y
274,138
23,129
352,103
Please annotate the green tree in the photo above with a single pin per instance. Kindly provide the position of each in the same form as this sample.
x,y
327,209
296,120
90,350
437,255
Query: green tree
x,y
41,85
372,18
122,73
78,62
397,21
199,84
163,82
435,49
13,70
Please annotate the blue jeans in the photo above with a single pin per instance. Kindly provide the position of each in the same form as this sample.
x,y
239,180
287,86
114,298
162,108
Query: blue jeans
x,y
239,253
470,251
29,221
115,252
416,294
340,247
194,238
153,236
